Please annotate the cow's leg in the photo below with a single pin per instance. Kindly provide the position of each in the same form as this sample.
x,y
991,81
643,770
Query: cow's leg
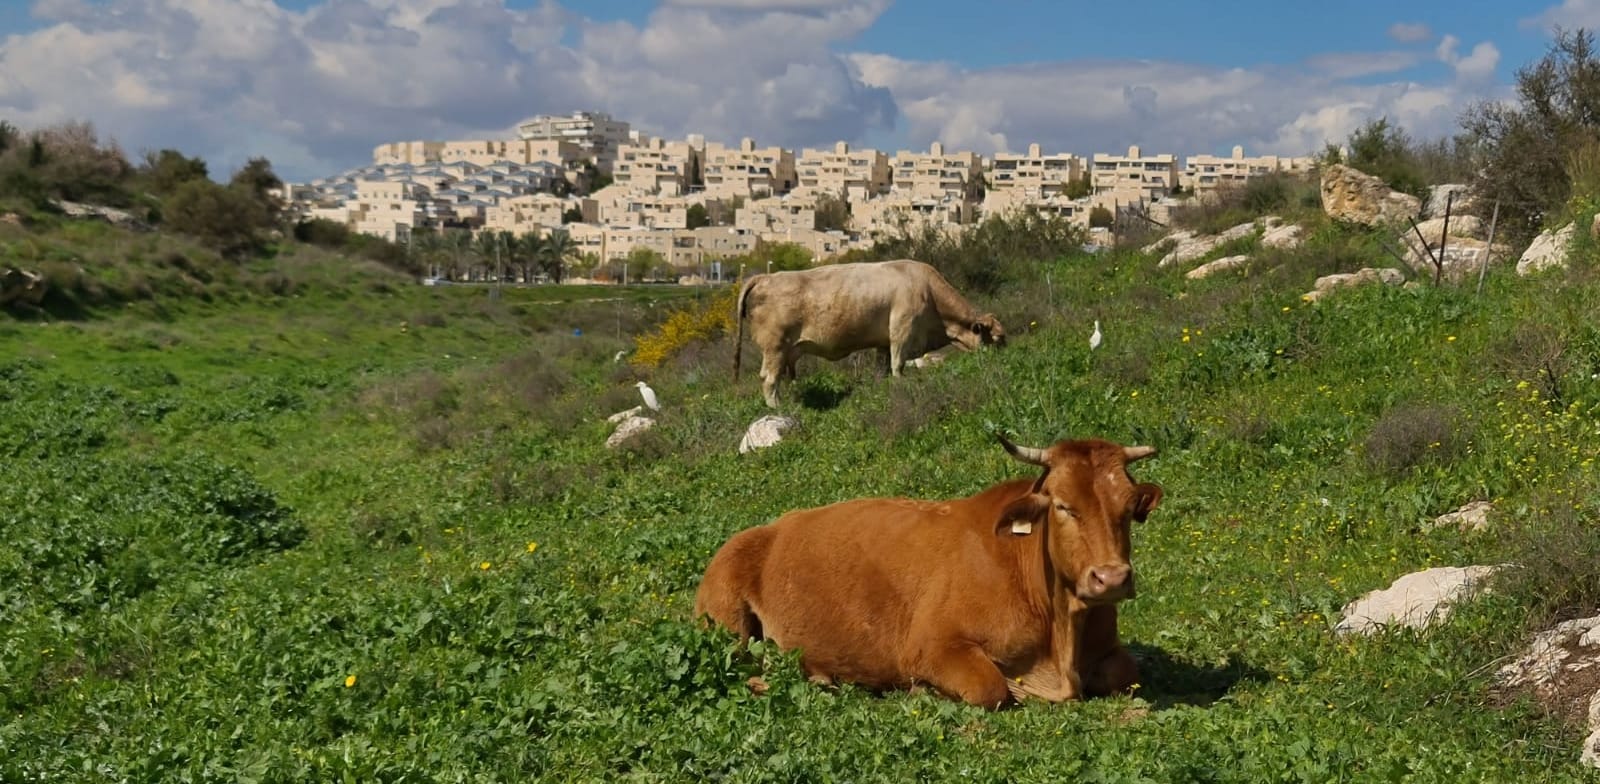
x,y
964,671
884,359
772,366
1105,666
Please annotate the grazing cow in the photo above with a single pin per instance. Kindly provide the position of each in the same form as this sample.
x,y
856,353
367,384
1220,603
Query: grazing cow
x,y
1010,592
901,308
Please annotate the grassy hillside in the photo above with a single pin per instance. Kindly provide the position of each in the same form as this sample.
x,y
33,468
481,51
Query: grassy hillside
x,y
368,531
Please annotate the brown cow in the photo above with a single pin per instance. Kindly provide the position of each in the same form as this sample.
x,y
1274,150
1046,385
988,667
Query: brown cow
x,y
1012,591
903,308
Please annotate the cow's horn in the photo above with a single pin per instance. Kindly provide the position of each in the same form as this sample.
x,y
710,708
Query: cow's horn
x,y
1132,453
1027,454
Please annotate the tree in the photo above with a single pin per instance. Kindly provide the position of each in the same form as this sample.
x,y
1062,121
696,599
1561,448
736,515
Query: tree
x,y
643,263
572,215
228,219
584,265
489,247
559,248
257,179
1078,187
1100,218
1385,151
832,213
786,256
698,217
528,250
1531,149
164,171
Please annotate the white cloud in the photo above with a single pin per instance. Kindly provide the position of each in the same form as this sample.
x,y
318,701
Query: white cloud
x,y
1093,106
1410,32
324,86
1570,13
1477,66
316,90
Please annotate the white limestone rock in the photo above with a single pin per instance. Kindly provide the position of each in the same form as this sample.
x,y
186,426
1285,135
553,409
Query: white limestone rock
x,y
766,431
1415,600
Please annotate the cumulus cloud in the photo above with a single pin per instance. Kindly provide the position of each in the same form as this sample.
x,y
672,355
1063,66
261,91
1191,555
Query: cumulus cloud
x,y
1570,13
325,85
1090,106
1475,66
316,89
1410,32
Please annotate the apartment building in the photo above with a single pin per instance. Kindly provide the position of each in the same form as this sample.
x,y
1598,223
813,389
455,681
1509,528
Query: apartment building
x,y
1204,174
1135,176
414,153
386,209
530,212
888,216
1045,175
1003,201
854,175
937,174
777,213
597,134
653,165
747,171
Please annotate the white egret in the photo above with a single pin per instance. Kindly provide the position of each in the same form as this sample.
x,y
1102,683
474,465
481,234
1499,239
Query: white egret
x,y
649,396
1094,339
619,355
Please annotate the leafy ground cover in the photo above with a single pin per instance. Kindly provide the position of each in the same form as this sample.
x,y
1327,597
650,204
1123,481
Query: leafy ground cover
x,y
367,531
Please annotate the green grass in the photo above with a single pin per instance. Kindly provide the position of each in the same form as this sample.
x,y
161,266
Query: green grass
x,y
288,537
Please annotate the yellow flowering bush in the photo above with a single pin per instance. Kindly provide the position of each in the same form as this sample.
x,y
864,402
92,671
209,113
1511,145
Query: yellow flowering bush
x,y
698,321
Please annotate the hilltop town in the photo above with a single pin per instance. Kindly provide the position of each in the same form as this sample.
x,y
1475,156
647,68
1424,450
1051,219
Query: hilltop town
x,y
691,203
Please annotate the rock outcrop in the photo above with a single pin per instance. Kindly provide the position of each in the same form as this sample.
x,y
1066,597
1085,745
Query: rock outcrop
x,y
20,285
110,215
1191,246
1464,251
1284,236
1561,670
1415,600
1439,196
1223,264
766,431
630,427
1472,517
1351,195
1327,284
1547,251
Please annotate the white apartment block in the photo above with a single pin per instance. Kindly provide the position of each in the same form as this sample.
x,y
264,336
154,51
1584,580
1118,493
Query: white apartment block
x,y
1135,177
747,171
1204,174
596,133
890,215
1003,201
777,213
386,209
1044,175
854,175
656,166
530,212
414,153
935,174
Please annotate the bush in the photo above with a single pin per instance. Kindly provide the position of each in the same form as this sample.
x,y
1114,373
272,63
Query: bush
x,y
703,320
1409,436
66,161
231,220
987,256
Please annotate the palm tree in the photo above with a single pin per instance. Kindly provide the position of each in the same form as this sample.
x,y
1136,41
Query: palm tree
x,y
427,247
558,248
487,247
530,252
458,245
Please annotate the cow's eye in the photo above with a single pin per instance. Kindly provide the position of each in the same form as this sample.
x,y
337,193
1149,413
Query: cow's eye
x,y
1063,508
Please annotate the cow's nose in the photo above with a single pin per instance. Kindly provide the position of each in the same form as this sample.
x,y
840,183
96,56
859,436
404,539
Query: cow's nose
x,y
1110,582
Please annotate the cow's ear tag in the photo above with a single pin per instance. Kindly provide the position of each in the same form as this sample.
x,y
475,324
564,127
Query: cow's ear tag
x,y
1022,527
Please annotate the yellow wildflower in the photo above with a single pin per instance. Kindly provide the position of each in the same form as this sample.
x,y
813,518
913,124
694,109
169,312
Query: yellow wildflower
x,y
485,566
349,681
533,546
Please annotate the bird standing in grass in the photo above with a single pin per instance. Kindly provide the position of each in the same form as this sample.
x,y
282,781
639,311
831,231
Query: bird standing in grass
x,y
649,396
619,355
1094,339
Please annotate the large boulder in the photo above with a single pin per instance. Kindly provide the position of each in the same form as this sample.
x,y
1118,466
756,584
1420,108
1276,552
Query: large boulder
x,y
627,429
1559,671
1223,264
1439,197
766,431
1192,246
110,215
1547,251
1464,250
1327,284
1351,195
1415,600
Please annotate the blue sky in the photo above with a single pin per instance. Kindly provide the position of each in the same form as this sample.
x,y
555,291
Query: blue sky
x,y
315,84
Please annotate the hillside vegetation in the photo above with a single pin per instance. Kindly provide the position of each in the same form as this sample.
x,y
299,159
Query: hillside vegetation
x,y
366,530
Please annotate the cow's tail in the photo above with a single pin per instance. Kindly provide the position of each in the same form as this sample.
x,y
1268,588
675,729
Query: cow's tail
x,y
739,309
